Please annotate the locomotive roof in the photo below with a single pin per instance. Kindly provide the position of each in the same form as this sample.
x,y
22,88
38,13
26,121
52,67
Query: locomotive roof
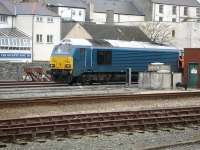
x,y
114,44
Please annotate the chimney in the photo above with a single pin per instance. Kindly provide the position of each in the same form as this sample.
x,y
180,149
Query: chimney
x,y
91,10
110,16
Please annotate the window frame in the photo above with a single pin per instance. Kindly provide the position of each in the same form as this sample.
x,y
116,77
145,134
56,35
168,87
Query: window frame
x,y
39,38
185,11
39,19
160,19
174,9
50,20
198,11
80,13
73,13
3,19
173,19
104,57
173,33
49,38
161,9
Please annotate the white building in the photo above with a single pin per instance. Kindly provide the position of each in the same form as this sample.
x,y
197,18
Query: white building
x,y
39,23
186,35
169,10
15,45
112,11
42,25
181,35
68,10
175,10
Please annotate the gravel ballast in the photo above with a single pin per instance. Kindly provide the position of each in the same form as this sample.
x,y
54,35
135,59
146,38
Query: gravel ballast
x,y
115,141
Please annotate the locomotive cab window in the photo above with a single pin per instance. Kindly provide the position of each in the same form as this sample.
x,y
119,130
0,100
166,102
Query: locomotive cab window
x,y
104,57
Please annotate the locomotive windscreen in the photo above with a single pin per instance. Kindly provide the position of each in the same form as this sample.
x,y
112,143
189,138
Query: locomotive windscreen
x,y
62,49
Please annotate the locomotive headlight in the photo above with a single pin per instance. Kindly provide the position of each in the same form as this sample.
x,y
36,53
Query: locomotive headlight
x,y
67,66
52,65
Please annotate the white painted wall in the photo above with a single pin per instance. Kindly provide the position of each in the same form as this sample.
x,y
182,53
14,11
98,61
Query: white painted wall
x,y
100,18
168,15
76,14
130,18
186,33
8,24
24,23
116,18
30,25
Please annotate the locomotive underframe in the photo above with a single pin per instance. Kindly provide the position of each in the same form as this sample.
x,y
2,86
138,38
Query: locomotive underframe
x,y
91,77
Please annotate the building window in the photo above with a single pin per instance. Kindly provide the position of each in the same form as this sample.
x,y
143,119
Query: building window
x,y
185,11
174,10
3,19
73,12
49,38
39,19
39,38
104,57
161,9
173,33
173,19
80,13
160,19
50,20
198,12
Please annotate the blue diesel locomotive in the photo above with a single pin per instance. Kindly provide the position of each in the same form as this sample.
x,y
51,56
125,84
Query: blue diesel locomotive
x,y
80,60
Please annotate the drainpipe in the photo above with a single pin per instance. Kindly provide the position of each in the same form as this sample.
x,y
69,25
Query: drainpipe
x,y
33,16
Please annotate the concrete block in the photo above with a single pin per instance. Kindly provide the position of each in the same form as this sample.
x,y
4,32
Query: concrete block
x,y
158,67
154,80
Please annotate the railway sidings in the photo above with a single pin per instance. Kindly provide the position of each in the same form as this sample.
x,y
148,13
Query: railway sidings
x,y
95,111
28,84
92,123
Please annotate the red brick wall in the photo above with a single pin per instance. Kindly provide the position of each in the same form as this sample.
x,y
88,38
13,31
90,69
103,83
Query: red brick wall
x,y
191,55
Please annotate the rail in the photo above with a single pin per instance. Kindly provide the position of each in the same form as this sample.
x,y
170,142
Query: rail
x,y
94,123
96,98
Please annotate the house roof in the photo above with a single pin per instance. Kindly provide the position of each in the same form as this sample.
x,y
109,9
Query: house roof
x,y
120,44
66,27
34,9
12,32
118,6
105,31
67,3
4,9
115,32
193,3
26,8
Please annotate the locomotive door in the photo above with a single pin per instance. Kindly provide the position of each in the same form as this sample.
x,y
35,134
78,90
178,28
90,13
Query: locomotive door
x,y
193,74
82,59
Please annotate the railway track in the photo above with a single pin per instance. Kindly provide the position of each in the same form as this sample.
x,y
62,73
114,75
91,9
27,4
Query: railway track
x,y
96,98
94,123
28,84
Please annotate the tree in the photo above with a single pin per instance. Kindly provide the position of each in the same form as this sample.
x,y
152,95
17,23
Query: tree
x,y
157,32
